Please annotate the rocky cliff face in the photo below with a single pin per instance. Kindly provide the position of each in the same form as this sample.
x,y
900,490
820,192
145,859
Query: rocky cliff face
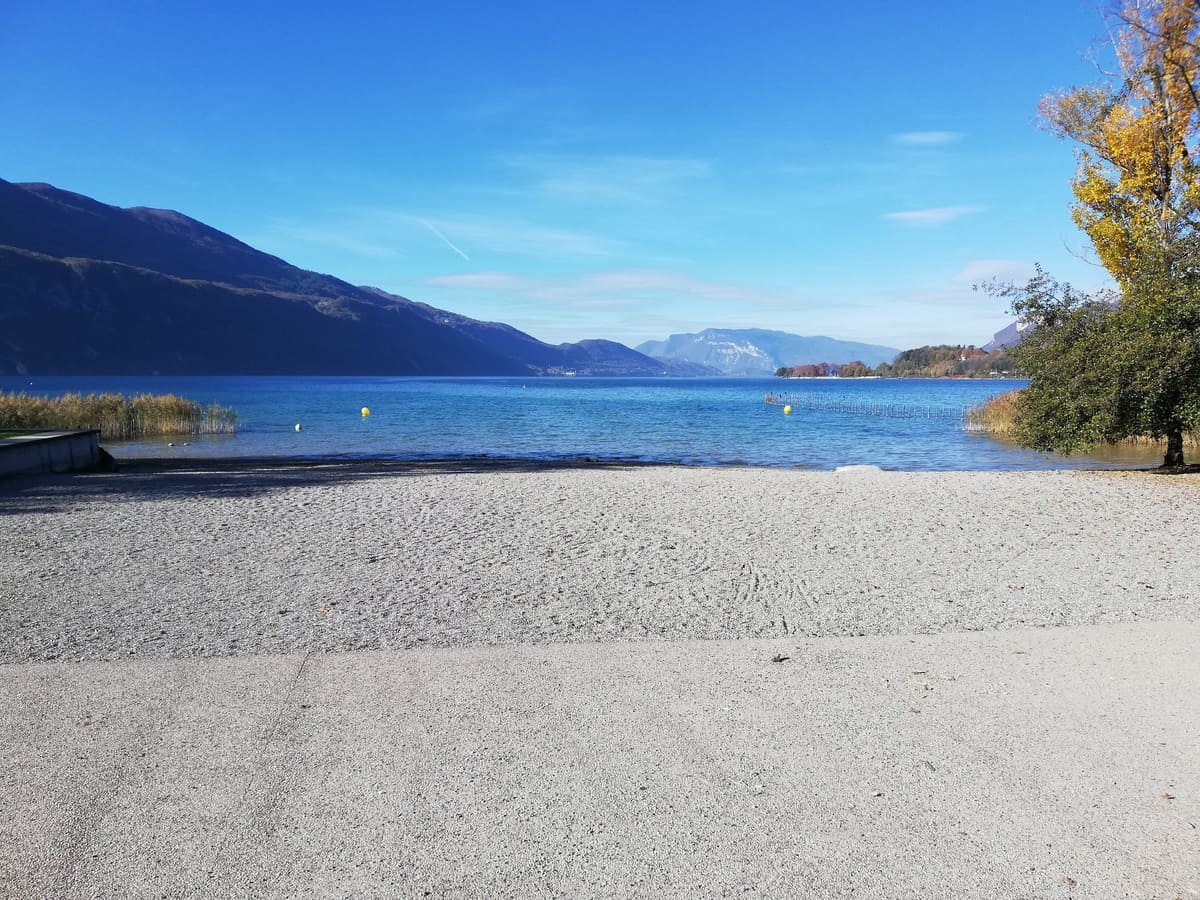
x,y
1008,336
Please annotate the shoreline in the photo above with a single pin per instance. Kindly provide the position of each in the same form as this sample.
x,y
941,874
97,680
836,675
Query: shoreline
x,y
449,464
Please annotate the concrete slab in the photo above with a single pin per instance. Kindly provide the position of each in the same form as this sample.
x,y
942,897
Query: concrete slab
x,y
50,451
1033,763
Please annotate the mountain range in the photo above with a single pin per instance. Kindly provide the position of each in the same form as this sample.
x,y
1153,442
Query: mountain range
x,y
88,288
757,351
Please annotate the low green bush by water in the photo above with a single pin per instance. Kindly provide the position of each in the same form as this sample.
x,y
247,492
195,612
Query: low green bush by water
x,y
118,417
998,416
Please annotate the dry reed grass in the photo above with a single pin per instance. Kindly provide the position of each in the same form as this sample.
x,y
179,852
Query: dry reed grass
x,y
118,417
997,417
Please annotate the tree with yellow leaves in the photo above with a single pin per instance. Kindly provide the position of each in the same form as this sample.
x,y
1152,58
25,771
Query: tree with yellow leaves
x,y
1138,187
1102,369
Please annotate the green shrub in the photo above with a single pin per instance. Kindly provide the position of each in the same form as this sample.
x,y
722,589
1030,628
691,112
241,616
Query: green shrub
x,y
999,417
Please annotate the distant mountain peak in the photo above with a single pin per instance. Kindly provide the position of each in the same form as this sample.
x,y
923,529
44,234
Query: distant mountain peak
x,y
760,351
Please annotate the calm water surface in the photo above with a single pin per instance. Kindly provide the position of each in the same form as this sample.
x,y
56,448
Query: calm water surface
x,y
911,424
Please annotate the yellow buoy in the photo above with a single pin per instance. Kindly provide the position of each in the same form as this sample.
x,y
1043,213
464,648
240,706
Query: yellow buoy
x,y
787,410
366,410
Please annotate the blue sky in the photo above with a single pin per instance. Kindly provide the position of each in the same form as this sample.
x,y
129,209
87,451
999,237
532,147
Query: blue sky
x,y
618,170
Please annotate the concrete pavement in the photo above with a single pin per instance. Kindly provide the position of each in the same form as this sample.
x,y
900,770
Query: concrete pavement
x,y
1034,763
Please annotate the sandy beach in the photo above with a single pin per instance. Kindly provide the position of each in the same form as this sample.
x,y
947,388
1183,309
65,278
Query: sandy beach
x,y
499,679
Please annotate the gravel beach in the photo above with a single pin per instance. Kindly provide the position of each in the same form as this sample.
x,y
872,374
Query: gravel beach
x,y
490,679
219,562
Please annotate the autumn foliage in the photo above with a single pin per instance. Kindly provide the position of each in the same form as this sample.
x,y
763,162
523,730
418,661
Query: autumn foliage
x,y
1104,369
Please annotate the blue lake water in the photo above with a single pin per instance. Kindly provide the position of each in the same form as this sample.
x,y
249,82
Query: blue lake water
x,y
910,424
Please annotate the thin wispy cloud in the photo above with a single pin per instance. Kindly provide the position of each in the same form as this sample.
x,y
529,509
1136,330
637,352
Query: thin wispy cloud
x,y
936,297
632,305
926,138
487,281
641,282
483,234
325,238
445,240
548,115
519,237
376,243
937,215
622,287
976,271
843,168
624,178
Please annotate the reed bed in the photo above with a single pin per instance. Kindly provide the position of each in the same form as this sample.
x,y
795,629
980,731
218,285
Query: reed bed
x,y
998,415
118,417
857,407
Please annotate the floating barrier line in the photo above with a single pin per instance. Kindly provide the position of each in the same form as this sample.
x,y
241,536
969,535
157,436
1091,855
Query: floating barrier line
x,y
854,407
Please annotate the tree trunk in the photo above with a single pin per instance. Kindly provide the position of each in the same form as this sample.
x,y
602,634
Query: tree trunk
x,y
1174,455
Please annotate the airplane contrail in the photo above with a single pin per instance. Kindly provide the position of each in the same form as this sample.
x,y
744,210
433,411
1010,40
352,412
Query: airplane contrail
x,y
445,240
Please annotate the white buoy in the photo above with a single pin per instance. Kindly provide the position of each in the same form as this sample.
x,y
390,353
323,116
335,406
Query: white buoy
x,y
298,428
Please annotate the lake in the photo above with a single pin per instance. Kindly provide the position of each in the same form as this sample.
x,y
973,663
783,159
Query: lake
x,y
908,424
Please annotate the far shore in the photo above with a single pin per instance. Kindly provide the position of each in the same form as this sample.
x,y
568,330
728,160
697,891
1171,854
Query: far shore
x,y
899,377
